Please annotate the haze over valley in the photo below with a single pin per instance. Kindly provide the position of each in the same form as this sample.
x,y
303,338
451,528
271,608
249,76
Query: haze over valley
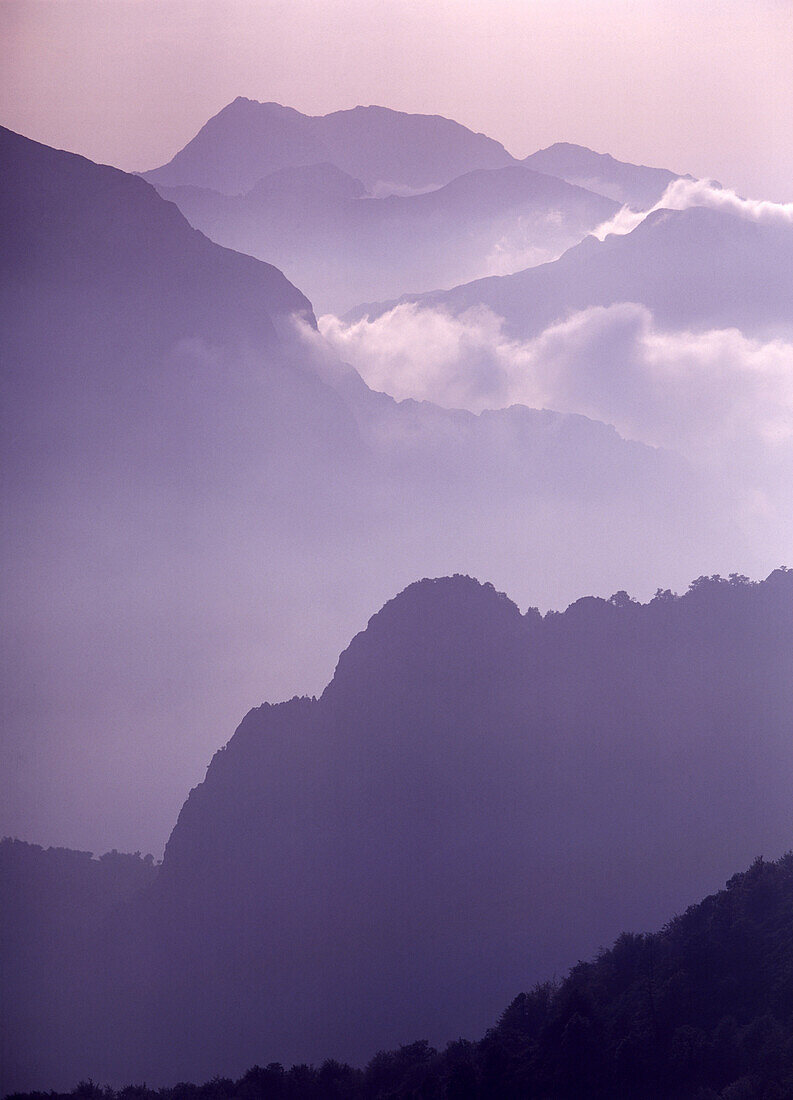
x,y
458,480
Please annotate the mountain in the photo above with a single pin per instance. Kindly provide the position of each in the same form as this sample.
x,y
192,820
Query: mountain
x,y
201,503
700,1010
343,245
697,268
248,140
394,857
55,903
628,184
150,391
75,231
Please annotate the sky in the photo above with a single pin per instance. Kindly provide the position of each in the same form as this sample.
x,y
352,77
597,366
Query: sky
x,y
701,87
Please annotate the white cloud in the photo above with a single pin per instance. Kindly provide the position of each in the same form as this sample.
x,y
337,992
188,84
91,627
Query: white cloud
x,y
684,193
427,354
710,395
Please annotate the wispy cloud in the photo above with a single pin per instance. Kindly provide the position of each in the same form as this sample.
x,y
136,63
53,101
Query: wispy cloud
x,y
526,243
682,194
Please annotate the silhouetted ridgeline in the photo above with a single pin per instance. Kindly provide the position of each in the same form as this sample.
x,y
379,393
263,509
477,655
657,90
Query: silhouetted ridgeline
x,y
700,1010
183,465
479,798
247,140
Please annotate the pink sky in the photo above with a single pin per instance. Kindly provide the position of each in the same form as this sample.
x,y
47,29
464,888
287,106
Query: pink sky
x,y
702,86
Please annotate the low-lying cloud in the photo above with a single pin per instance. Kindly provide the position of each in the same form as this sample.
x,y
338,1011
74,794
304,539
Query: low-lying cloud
x,y
702,394
684,193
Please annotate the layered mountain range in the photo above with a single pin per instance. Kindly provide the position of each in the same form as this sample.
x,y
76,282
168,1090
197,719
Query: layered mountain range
x,y
375,203
478,798
696,268
343,244
204,494
203,499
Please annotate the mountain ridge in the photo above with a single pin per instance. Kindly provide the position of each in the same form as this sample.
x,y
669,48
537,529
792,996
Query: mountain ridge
x,y
697,268
468,774
446,146
340,243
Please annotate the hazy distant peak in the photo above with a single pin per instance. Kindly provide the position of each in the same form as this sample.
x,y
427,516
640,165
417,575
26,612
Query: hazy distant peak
x,y
247,140
576,155
636,185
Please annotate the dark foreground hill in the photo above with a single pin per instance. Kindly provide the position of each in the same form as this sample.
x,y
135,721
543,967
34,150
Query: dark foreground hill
x,y
698,1011
478,799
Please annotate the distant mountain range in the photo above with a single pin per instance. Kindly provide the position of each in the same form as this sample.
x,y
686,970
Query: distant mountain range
x,y
186,464
290,189
343,245
478,798
696,268
246,141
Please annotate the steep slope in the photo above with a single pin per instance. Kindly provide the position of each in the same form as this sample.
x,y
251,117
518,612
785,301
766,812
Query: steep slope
x,y
695,268
342,245
151,390
392,858
629,184
200,505
248,140
79,232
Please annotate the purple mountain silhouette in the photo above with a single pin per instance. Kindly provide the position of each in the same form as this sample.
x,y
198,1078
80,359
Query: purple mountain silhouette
x,y
248,140
478,798
206,504
630,184
100,239
697,268
342,245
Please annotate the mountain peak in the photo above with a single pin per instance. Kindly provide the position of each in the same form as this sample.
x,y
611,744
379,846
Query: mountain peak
x,y
452,623
636,185
248,140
